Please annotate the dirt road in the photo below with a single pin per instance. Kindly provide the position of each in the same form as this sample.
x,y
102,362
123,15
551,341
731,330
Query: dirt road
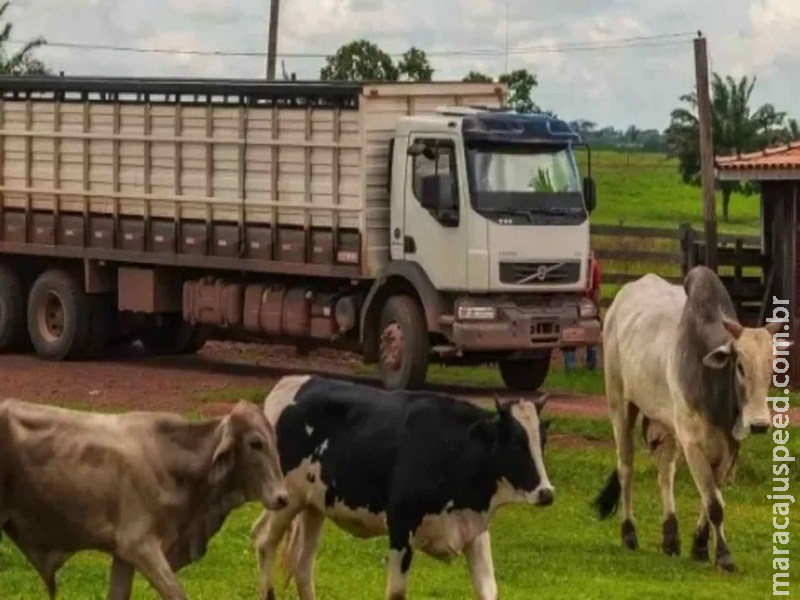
x,y
207,383
129,380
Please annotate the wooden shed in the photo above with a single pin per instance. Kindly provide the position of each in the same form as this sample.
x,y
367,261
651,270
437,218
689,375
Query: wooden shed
x,y
777,171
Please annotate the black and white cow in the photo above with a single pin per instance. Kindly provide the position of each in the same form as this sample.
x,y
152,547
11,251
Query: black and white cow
x,y
426,469
677,355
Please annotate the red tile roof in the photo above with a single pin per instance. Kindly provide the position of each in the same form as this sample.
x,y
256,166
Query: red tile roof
x,y
780,157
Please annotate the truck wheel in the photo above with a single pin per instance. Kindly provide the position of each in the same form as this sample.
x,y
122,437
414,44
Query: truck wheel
x,y
525,375
404,346
12,310
170,335
59,316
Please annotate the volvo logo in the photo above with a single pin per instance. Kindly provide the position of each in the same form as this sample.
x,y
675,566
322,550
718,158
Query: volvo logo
x,y
540,273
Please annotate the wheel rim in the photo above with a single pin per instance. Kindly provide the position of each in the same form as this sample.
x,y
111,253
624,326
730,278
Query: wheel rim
x,y
392,346
50,317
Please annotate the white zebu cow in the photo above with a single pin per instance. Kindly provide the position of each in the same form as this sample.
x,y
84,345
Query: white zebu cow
x,y
700,379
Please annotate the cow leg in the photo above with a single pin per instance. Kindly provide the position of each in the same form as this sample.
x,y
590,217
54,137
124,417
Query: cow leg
x,y
400,555
700,538
149,560
711,496
303,559
268,534
121,580
481,567
703,530
46,564
666,455
623,421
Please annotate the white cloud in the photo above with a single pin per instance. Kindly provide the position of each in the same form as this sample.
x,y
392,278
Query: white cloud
x,y
615,86
775,24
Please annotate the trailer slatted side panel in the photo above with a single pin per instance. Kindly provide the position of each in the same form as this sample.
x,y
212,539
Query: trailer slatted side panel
x,y
232,170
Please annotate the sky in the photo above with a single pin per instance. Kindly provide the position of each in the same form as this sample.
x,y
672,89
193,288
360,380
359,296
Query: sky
x,y
610,85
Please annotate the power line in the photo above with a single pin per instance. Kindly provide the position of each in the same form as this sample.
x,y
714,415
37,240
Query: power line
x,y
660,40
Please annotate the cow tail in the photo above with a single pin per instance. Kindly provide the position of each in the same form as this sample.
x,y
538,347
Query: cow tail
x,y
607,500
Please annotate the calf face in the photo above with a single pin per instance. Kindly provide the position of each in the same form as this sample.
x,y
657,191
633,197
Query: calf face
x,y
249,448
751,353
520,451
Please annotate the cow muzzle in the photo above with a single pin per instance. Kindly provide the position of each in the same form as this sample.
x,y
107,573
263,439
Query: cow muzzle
x,y
544,496
759,427
277,500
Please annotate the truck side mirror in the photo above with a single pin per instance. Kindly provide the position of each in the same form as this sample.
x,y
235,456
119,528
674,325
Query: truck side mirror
x,y
589,193
416,148
437,193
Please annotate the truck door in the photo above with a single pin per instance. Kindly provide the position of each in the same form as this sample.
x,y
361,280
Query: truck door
x,y
436,239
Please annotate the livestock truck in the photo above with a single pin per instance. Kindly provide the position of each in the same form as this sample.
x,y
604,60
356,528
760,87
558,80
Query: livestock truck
x,y
410,222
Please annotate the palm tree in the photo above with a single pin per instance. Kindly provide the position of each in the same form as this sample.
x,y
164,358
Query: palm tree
x,y
734,129
22,62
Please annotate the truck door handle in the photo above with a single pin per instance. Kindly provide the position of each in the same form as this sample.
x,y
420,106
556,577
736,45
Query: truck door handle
x,y
409,245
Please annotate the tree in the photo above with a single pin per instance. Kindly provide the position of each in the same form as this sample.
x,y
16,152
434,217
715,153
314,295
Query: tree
x,y
415,65
21,62
360,60
734,129
476,77
520,87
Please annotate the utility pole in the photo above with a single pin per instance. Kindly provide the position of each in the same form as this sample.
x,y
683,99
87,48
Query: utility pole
x,y
272,42
706,150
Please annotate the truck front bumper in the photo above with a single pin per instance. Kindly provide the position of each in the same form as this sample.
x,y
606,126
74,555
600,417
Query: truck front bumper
x,y
527,328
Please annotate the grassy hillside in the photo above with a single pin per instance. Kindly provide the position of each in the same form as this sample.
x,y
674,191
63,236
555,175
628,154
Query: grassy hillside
x,y
646,189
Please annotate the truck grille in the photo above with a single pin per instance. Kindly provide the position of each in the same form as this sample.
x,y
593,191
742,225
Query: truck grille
x,y
531,273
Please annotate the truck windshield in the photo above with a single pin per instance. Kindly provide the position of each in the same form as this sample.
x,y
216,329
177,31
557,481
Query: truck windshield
x,y
533,183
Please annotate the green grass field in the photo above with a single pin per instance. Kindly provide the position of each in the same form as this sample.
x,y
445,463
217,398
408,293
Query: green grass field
x,y
647,190
559,552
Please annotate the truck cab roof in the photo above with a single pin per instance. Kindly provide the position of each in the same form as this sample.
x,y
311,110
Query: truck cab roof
x,y
492,125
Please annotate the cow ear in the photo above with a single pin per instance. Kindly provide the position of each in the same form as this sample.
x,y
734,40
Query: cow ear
x,y
719,357
223,458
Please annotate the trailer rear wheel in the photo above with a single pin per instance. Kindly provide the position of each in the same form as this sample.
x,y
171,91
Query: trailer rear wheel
x,y
59,316
169,334
12,310
404,346
526,375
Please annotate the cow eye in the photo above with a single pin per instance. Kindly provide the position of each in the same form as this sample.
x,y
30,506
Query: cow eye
x,y
257,445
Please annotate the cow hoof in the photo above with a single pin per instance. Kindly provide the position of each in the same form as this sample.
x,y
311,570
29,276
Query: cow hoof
x,y
725,562
700,551
672,547
629,539
671,544
270,594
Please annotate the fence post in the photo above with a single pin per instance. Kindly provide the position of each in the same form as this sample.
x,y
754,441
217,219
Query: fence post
x,y
738,260
687,237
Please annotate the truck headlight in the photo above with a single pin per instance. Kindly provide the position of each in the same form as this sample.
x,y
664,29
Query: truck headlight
x,y
587,309
477,313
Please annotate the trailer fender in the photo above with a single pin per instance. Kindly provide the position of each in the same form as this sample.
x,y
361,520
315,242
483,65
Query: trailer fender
x,y
398,277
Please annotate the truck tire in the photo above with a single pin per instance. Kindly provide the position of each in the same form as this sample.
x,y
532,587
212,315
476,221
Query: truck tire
x,y
404,347
172,336
525,375
12,311
59,316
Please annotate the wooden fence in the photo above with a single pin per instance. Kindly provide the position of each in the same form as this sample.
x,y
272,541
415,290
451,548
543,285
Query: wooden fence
x,y
626,253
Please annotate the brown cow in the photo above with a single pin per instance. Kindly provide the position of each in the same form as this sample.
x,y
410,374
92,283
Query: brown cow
x,y
150,489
